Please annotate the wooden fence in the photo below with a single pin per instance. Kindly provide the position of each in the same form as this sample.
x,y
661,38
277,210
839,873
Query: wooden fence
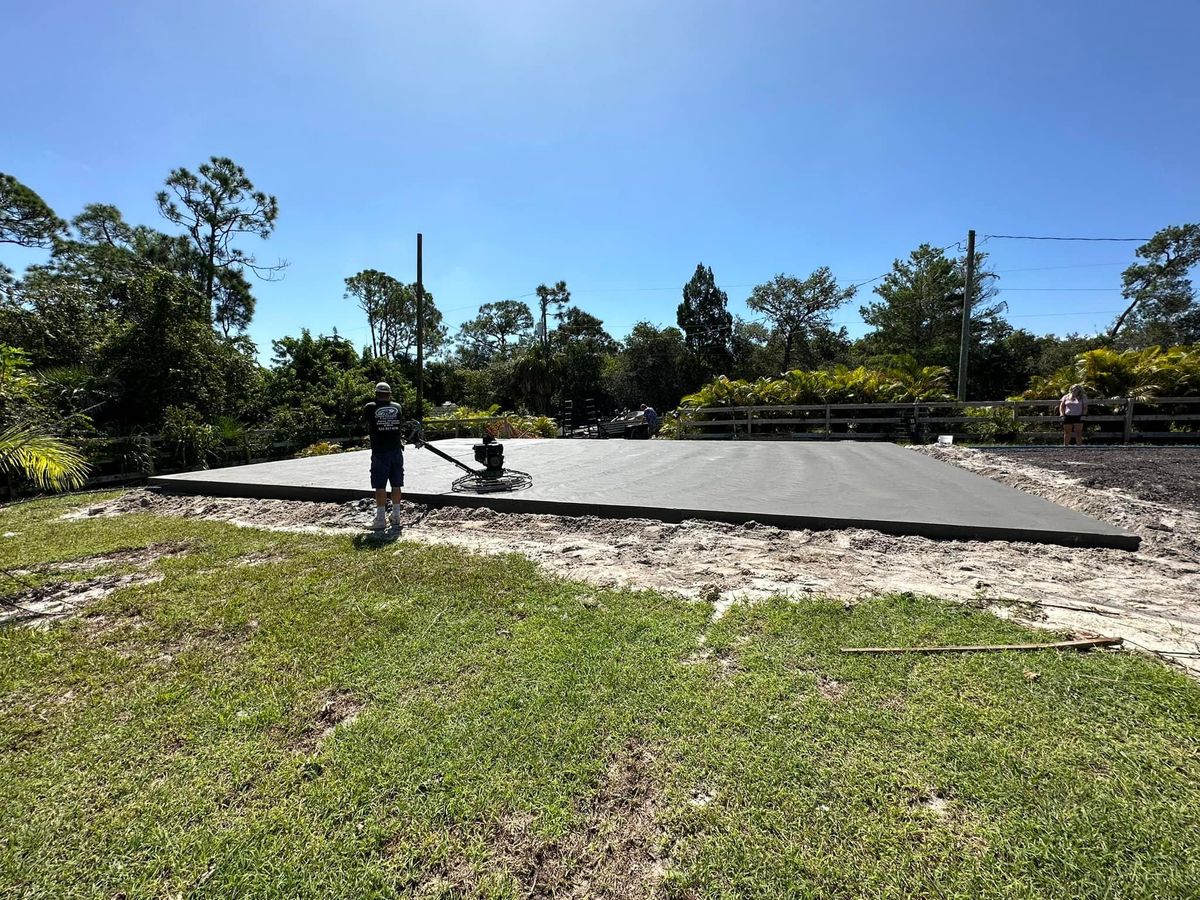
x,y
122,460
127,459
1114,420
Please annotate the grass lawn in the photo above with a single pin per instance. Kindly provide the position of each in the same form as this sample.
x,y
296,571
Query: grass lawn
x,y
505,734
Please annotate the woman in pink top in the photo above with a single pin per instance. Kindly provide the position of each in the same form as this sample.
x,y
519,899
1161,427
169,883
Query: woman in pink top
x,y
1073,407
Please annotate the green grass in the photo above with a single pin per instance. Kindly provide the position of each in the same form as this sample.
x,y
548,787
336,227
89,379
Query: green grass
x,y
166,744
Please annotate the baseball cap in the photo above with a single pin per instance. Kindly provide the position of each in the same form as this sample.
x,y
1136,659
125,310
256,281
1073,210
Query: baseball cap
x,y
383,388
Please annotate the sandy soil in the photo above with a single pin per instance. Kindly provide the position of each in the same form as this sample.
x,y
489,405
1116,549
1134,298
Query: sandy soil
x,y
1151,597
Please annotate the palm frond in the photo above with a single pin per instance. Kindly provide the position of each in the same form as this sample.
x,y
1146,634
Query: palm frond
x,y
45,461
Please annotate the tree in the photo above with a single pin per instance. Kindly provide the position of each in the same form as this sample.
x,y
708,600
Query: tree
x,y
378,295
28,449
391,310
233,303
705,319
533,378
216,207
799,308
1163,308
25,218
400,325
558,297
580,346
654,366
1004,359
488,334
164,353
919,312
754,348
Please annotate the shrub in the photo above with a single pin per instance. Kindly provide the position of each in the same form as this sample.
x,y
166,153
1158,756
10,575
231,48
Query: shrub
x,y
501,424
903,381
321,448
1141,374
193,441
993,423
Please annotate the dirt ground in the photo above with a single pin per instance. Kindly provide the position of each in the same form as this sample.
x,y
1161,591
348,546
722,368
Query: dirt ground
x,y
1165,475
1150,597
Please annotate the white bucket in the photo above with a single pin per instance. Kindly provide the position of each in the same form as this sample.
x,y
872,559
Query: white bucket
x,y
945,439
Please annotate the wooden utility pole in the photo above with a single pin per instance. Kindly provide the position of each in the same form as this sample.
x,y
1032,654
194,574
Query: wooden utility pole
x,y
964,344
421,335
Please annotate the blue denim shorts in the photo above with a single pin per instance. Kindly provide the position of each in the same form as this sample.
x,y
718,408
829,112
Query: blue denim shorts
x,y
387,465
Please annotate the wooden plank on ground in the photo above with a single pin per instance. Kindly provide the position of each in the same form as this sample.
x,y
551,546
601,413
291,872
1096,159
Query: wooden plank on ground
x,y
1084,644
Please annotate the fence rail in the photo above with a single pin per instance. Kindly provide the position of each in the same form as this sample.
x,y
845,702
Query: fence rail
x,y
1109,420
120,460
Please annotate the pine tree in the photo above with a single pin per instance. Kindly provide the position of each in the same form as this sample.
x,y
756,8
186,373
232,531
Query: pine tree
x,y
706,322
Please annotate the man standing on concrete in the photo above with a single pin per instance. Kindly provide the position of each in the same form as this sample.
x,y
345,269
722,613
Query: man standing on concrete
x,y
387,453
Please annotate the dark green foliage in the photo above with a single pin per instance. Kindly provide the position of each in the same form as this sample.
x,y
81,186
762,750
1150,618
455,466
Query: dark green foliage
x,y
317,386
1163,308
919,311
801,312
136,322
533,379
25,218
756,349
706,322
164,353
580,346
654,367
550,299
216,207
391,310
1006,359
498,328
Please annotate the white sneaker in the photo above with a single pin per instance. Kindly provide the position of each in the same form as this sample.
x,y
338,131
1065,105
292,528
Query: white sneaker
x,y
380,522
395,517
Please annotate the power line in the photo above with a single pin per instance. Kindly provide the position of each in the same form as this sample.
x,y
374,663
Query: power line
x,y
1028,237
1054,268
1088,312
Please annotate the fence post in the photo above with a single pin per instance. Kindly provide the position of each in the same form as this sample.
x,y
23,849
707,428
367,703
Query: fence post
x,y
749,422
148,449
1128,419
827,424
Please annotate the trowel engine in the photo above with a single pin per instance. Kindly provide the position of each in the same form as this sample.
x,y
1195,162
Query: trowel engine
x,y
489,453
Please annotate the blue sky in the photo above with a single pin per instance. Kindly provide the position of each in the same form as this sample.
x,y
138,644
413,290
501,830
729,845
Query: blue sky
x,y
616,144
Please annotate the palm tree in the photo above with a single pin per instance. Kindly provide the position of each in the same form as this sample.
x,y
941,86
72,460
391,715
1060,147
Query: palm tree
x,y
26,452
41,459
912,381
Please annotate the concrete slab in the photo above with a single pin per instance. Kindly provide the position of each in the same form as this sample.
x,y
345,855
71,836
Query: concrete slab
x,y
790,485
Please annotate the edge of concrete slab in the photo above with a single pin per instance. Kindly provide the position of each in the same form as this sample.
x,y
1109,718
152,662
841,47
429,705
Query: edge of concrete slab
x,y
513,503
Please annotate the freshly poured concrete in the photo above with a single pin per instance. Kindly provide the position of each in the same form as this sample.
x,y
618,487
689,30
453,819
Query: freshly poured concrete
x,y
791,485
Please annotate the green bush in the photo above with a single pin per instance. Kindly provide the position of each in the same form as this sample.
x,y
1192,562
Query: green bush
x,y
1141,374
671,428
193,441
993,423
904,381
501,424
321,448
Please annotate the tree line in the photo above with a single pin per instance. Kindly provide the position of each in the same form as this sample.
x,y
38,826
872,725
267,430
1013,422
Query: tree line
x,y
507,355
129,328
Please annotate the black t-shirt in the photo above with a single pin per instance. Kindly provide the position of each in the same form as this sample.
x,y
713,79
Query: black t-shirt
x,y
383,420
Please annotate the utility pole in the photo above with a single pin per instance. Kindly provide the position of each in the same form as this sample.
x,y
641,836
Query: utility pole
x,y
420,334
966,318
